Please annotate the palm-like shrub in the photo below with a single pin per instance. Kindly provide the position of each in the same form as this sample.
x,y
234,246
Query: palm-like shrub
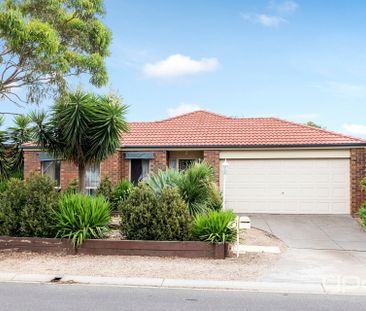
x,y
80,217
196,185
168,178
83,128
215,227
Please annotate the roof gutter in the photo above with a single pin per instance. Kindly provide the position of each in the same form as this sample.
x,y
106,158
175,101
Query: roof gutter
x,y
361,144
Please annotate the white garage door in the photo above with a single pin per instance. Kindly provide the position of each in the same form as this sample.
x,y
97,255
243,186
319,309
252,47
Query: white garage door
x,y
293,186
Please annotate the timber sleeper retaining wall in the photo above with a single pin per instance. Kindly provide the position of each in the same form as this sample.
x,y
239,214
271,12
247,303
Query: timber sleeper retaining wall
x,y
187,249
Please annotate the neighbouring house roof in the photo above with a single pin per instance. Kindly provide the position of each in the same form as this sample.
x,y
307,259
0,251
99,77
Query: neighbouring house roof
x,y
206,129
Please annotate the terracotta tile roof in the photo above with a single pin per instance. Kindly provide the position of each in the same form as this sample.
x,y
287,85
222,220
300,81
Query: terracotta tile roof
x,y
202,128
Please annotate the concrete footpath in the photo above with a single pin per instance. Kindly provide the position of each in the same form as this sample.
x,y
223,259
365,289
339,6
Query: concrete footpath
x,y
338,288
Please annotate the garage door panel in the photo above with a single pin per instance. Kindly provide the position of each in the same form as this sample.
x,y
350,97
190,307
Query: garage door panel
x,y
305,186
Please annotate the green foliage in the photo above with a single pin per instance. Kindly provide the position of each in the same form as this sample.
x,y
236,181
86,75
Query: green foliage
x,y
215,227
105,189
196,186
72,187
80,217
363,184
19,134
85,129
168,178
313,124
26,207
5,164
148,216
121,192
42,42
362,213
3,186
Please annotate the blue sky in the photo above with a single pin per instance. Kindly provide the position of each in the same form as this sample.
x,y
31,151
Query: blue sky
x,y
298,60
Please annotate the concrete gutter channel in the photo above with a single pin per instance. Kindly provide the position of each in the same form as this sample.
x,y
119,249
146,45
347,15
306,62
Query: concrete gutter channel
x,y
269,287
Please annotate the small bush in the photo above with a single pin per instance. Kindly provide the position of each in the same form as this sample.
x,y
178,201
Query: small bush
x,y
147,216
121,192
26,207
105,189
362,213
3,186
215,227
80,217
72,188
196,186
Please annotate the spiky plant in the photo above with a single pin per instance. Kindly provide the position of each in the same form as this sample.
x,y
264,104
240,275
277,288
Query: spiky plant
x,y
215,227
80,217
83,128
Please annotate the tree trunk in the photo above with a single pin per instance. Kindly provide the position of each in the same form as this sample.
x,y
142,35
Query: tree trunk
x,y
82,178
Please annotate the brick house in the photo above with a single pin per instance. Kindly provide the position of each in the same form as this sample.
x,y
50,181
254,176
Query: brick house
x,y
274,166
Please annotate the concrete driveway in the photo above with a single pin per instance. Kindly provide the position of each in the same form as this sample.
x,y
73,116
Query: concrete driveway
x,y
327,249
328,232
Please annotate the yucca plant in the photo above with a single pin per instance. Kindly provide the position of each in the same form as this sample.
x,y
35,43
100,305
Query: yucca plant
x,y
168,178
195,187
80,217
215,227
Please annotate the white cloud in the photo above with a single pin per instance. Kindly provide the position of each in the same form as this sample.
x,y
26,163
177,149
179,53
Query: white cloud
x,y
264,19
178,65
182,109
275,17
285,7
355,129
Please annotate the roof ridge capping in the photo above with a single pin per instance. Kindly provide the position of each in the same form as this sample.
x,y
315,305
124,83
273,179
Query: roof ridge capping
x,y
195,112
320,129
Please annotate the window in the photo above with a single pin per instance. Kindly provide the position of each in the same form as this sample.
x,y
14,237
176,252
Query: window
x,y
92,178
183,164
52,169
139,169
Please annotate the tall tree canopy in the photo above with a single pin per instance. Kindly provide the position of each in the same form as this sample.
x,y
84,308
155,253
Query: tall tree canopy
x,y
42,42
83,128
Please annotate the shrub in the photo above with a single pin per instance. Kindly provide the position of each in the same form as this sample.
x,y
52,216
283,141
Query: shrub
x,y
3,186
363,184
72,188
80,217
121,192
147,216
105,189
196,186
26,207
215,227
362,213
168,178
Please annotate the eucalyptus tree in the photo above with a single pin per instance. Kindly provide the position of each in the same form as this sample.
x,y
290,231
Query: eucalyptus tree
x,y
84,128
42,42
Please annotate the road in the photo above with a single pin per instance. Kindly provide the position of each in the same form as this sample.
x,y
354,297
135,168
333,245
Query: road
x,y
50,297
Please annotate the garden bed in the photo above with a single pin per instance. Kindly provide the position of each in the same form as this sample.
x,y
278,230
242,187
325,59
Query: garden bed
x,y
187,249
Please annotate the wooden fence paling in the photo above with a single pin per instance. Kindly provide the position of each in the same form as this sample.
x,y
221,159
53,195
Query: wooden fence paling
x,y
187,249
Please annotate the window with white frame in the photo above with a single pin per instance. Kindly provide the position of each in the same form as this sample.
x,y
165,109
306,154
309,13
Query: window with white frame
x,y
92,178
52,169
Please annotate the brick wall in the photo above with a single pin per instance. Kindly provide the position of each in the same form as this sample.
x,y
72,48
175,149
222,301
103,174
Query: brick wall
x,y
125,167
213,158
68,172
159,162
31,162
358,172
111,167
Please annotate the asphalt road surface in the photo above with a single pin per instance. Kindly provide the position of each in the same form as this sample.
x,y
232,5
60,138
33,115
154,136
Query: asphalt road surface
x,y
50,297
